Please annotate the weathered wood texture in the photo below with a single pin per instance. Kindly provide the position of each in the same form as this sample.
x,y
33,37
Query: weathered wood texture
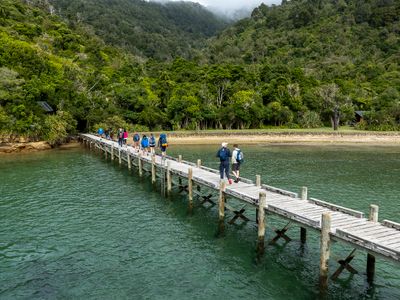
x,y
347,225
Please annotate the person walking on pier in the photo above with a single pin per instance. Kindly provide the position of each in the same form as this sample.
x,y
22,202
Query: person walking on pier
x,y
224,155
120,137
152,143
136,140
125,136
237,159
145,144
163,144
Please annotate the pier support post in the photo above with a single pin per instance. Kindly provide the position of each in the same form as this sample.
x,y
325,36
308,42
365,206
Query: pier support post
x,y
128,156
153,169
119,156
325,251
140,164
303,231
262,200
258,180
221,211
199,163
105,151
373,217
179,158
112,152
169,178
190,189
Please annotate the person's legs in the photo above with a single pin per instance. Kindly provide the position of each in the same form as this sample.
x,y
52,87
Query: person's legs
x,y
226,167
221,170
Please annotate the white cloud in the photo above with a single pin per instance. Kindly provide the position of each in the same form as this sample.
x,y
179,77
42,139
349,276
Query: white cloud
x,y
231,5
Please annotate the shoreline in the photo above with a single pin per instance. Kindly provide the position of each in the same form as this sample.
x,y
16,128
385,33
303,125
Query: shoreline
x,y
241,138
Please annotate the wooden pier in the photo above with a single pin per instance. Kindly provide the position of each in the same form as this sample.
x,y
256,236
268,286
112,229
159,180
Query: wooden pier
x,y
335,223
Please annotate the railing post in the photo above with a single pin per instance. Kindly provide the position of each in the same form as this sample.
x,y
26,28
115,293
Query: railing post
x,y
303,231
179,158
140,164
262,200
199,163
258,180
325,250
190,189
153,169
128,156
373,217
169,178
221,206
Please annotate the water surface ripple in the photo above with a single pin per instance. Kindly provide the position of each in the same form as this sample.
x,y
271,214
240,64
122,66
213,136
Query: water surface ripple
x,y
76,226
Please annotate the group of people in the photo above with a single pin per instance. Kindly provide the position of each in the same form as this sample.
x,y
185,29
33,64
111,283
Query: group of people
x,y
144,143
226,158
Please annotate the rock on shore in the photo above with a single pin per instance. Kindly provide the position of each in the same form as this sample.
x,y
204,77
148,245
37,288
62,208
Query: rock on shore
x,y
23,147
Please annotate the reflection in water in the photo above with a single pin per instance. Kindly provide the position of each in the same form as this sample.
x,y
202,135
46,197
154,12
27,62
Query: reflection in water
x,y
76,226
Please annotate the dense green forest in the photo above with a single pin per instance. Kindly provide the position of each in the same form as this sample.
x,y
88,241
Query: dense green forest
x,y
303,64
146,29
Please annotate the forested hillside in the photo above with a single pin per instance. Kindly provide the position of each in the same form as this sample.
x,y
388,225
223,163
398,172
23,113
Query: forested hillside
x,y
147,29
310,53
303,64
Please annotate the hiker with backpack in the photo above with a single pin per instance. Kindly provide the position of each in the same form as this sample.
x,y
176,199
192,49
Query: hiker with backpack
x,y
136,140
145,144
120,137
152,143
237,160
224,155
163,144
125,136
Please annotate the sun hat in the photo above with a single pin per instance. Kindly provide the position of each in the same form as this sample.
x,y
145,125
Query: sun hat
x,y
224,144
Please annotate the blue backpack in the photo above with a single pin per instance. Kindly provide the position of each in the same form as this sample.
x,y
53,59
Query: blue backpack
x,y
239,157
223,154
152,141
145,142
136,137
163,140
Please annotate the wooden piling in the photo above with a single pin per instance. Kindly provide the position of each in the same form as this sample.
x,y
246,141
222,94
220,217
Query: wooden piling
x,y
325,250
373,217
169,178
153,169
199,163
119,156
258,180
105,151
190,189
179,158
140,164
303,231
128,157
221,202
112,152
262,200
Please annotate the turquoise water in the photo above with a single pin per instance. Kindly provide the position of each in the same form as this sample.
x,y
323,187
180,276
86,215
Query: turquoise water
x,y
76,226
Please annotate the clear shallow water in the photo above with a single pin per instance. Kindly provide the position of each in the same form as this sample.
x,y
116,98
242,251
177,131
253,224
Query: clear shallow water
x,y
75,226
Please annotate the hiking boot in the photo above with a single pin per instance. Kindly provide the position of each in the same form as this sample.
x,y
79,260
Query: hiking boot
x,y
236,180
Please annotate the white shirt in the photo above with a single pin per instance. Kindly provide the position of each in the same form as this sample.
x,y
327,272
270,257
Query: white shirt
x,y
234,155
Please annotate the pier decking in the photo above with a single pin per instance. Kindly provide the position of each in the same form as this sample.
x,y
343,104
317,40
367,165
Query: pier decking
x,y
340,223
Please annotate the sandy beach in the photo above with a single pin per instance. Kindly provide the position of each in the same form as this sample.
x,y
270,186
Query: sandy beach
x,y
253,137
306,138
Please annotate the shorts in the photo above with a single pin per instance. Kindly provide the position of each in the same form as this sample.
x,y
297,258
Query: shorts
x,y
235,167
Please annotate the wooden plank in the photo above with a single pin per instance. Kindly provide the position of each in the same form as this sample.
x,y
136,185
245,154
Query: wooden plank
x,y
279,191
343,223
335,207
383,250
391,224
292,216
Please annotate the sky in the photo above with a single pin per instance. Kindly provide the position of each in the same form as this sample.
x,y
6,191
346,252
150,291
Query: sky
x,y
232,5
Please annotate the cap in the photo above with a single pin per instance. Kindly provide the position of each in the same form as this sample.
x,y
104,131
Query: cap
x,y
224,144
